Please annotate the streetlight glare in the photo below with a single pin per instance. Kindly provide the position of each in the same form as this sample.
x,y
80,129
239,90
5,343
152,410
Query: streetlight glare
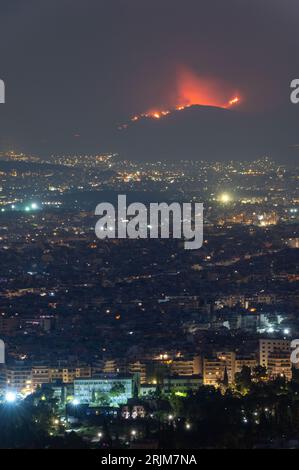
x,y
10,397
225,198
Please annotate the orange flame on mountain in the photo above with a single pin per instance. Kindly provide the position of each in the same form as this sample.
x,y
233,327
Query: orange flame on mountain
x,y
192,91
235,100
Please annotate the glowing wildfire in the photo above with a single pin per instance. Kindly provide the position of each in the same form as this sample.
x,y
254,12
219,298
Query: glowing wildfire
x,y
191,90
235,100
159,114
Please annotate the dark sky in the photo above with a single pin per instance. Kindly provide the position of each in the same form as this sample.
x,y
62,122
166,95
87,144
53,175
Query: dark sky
x,y
80,67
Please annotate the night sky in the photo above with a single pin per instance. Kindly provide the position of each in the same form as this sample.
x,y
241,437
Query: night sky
x,y
75,69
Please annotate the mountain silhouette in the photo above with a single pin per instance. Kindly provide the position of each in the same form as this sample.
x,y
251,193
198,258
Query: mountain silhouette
x,y
210,133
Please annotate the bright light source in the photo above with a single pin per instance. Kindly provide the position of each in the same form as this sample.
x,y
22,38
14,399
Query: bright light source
x,y
286,331
270,330
11,397
34,206
170,417
133,432
75,402
100,435
27,208
225,198
188,426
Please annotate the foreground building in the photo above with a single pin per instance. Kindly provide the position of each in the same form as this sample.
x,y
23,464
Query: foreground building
x,y
104,390
270,346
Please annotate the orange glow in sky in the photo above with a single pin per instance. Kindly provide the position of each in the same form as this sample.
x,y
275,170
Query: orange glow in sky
x,y
194,90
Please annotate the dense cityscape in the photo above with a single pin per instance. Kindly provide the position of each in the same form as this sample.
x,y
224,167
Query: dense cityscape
x,y
149,230
131,344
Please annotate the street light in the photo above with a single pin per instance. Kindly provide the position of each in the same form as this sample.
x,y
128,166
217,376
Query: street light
x,y
225,198
10,397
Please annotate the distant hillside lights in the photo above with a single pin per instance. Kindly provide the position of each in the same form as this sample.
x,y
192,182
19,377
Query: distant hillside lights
x,y
2,92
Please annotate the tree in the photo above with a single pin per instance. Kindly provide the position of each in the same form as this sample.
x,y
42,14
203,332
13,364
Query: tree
x,y
101,398
117,390
260,373
225,378
243,380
